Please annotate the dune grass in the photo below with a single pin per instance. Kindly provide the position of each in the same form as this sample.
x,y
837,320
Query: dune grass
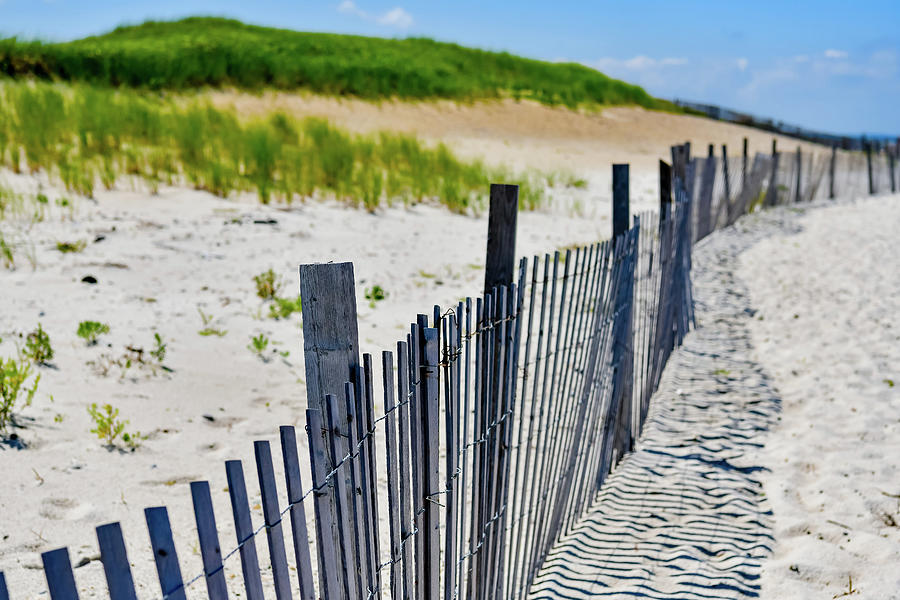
x,y
86,135
215,52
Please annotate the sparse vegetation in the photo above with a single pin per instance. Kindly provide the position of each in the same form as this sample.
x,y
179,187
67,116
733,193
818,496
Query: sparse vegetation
x,y
208,329
37,346
14,391
268,284
89,331
67,247
82,135
258,344
108,427
159,348
375,294
283,308
202,51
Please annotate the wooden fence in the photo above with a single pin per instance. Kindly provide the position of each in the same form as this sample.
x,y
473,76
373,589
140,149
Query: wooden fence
x,y
501,416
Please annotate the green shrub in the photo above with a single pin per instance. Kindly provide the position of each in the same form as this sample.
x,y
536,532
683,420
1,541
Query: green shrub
x,y
37,346
283,308
66,247
14,374
108,427
375,294
89,331
268,284
258,344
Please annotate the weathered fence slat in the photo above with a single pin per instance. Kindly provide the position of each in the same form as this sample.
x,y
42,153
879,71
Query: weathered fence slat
x,y
243,529
272,517
116,567
163,546
330,587
346,514
367,423
208,538
58,571
299,531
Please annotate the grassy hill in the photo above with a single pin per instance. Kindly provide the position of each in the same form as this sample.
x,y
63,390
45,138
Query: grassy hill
x,y
203,51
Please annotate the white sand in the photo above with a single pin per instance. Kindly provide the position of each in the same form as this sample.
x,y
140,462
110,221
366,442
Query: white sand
x,y
827,330
162,258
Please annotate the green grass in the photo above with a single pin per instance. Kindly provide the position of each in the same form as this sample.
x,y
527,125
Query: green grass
x,y
85,136
214,52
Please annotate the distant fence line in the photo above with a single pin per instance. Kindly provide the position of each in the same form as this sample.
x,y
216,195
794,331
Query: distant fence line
x,y
502,416
844,142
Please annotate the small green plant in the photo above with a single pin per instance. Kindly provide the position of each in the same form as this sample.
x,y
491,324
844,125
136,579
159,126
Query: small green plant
x,y
14,373
258,344
375,294
6,254
58,418
268,284
89,331
37,346
107,425
159,348
207,325
67,247
283,308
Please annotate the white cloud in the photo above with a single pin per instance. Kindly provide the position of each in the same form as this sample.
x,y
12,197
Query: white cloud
x,y
741,64
636,63
836,54
397,17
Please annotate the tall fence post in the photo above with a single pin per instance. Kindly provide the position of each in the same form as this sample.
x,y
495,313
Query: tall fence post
x,y
799,159
868,147
331,357
620,200
501,241
831,172
665,190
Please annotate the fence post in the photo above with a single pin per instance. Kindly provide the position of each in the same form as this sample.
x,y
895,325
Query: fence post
x,y
725,174
711,151
330,335
331,357
772,192
665,190
430,419
620,200
799,160
868,148
501,241
744,162
831,172
890,157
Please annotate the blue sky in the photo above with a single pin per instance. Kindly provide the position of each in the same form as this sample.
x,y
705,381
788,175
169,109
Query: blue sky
x,y
826,64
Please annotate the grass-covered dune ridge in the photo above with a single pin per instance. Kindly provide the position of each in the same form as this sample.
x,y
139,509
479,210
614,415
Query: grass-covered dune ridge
x,y
86,135
206,51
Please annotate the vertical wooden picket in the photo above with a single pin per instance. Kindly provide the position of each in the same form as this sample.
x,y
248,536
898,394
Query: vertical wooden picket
x,y
209,541
115,562
271,514
243,529
163,546
58,571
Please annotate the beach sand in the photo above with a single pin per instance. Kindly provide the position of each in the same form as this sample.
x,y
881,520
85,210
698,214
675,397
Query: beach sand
x,y
828,300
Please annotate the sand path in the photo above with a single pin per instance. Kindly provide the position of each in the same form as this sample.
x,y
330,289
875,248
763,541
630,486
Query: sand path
x,y
796,348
